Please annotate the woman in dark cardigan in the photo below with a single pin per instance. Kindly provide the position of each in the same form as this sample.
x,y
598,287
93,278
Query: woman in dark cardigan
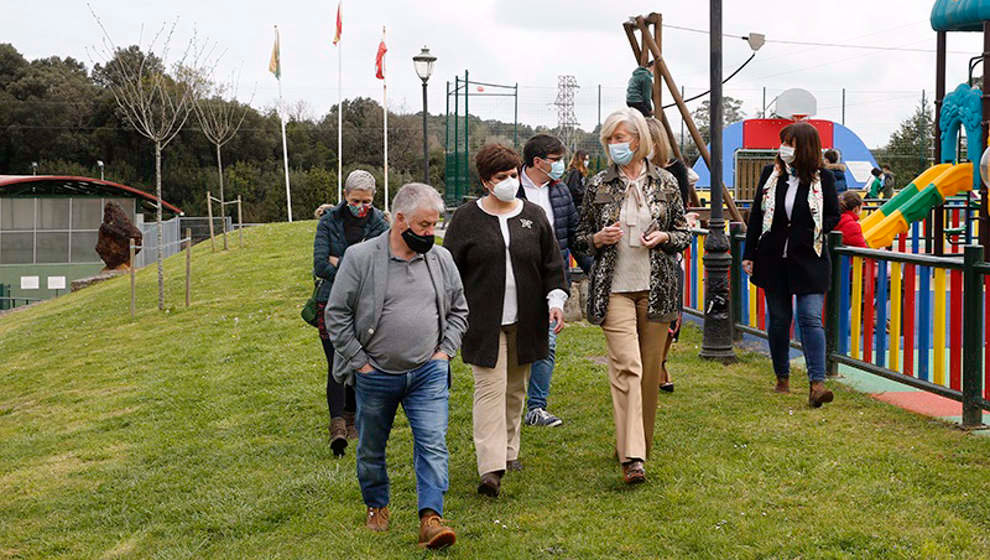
x,y
794,209
350,222
513,275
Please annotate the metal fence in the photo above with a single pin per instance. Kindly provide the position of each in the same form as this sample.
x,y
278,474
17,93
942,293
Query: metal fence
x,y
170,241
913,318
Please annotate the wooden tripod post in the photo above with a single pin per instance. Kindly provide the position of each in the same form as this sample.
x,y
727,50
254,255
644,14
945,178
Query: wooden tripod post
x,y
650,46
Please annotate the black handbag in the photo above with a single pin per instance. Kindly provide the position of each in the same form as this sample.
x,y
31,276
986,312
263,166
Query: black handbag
x,y
309,313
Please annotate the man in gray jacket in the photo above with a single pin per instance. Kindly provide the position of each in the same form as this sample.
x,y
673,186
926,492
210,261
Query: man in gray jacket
x,y
396,316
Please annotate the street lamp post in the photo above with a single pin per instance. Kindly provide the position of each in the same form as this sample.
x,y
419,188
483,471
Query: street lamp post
x,y
99,163
716,341
423,62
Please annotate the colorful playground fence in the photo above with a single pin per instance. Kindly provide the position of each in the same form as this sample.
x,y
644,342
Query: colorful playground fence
x,y
907,316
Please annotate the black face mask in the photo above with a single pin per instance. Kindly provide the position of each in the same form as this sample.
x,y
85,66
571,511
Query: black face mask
x,y
417,243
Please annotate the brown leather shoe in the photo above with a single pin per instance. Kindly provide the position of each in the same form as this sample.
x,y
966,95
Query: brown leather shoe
x,y
338,436
434,533
819,395
634,472
783,385
352,432
377,519
490,485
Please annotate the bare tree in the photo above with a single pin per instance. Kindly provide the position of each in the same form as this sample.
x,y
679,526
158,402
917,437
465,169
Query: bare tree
x,y
220,117
155,104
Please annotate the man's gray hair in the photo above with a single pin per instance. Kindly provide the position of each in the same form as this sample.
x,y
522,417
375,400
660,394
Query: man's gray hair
x,y
360,180
416,196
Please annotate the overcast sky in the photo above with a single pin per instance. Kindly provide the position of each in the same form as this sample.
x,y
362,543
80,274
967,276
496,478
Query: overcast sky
x,y
531,43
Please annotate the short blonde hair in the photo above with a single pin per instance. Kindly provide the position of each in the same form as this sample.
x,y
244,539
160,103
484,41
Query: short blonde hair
x,y
661,146
634,122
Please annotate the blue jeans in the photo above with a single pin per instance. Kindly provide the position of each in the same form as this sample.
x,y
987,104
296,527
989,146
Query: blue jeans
x,y
539,376
423,393
809,316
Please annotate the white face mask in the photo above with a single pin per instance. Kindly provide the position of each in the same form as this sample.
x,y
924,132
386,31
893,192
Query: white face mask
x,y
786,154
506,189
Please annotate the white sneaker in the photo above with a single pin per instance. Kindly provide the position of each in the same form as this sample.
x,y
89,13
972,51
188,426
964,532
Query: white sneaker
x,y
540,417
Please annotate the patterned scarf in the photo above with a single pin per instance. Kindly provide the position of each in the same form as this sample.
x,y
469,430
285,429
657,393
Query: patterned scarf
x,y
814,201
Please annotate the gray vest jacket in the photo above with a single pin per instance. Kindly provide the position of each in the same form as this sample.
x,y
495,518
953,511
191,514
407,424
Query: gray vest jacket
x,y
358,296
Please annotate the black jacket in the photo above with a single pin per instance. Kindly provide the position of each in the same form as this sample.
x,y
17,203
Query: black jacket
x,y
475,241
679,170
575,184
802,271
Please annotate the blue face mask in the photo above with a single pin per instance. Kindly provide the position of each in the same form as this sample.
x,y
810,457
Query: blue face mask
x,y
557,169
620,153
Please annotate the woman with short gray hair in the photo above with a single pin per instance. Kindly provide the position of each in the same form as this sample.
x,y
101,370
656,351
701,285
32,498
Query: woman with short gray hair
x,y
351,221
632,222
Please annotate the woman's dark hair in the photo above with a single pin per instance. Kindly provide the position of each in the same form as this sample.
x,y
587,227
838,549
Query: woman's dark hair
x,y
876,171
849,200
807,150
495,158
832,156
577,162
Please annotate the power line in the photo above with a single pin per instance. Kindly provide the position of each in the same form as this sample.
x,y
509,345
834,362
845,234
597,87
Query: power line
x,y
815,43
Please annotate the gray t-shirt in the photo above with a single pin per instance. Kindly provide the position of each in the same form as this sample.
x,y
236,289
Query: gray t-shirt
x,y
409,328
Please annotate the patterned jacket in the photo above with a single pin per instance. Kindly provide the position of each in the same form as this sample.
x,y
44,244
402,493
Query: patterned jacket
x,y
603,199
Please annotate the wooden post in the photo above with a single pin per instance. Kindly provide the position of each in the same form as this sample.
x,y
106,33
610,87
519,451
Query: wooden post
x,y
209,214
188,261
685,114
240,224
133,302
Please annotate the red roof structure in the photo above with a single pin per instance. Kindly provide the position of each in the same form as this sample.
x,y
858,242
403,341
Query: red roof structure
x,y
67,185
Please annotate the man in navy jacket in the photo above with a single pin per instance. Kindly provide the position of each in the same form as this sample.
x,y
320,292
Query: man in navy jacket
x,y
543,166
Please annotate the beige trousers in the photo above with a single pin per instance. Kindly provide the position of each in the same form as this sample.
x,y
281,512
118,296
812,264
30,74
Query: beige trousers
x,y
635,356
499,396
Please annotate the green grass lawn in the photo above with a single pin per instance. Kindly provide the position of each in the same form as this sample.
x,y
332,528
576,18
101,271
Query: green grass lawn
x,y
201,433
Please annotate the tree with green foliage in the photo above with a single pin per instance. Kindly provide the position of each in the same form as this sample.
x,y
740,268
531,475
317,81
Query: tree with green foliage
x,y
731,113
908,152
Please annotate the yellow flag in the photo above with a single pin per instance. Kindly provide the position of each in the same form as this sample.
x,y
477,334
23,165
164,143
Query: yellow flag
x,y
275,64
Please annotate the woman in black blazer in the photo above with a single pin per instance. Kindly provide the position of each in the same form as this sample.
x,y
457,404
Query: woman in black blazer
x,y
794,209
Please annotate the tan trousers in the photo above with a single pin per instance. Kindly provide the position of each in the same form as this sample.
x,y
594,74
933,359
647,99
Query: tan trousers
x,y
499,396
635,356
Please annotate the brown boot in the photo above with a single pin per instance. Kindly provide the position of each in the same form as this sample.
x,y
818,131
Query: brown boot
x,y
338,436
783,385
433,533
819,395
377,519
490,484
352,432
634,472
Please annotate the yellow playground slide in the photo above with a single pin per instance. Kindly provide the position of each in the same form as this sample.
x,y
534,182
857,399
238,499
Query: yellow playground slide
x,y
914,202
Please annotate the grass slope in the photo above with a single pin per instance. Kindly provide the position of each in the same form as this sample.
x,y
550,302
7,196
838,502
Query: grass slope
x,y
201,433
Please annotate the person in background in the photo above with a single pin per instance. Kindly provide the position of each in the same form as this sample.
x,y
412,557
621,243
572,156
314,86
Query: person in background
x,y
632,222
513,276
888,181
852,234
577,171
639,91
838,170
663,158
543,167
352,221
396,316
875,184
322,209
793,210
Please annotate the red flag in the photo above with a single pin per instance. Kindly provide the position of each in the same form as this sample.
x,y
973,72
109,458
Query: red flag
x,y
380,59
336,37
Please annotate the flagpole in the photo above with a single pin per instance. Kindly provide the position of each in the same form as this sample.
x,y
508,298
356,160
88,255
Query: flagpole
x,y
340,120
285,149
385,120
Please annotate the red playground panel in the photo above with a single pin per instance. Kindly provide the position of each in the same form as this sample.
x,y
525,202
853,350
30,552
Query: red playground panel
x,y
764,134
